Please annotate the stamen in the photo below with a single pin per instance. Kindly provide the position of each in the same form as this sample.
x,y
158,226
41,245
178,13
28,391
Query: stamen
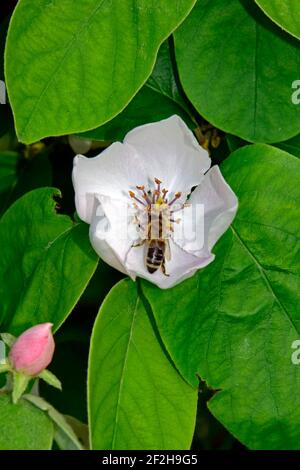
x,y
133,196
177,196
157,191
158,182
165,191
145,195
156,199
153,197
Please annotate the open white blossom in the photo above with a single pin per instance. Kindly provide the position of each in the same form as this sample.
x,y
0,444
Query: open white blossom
x,y
154,206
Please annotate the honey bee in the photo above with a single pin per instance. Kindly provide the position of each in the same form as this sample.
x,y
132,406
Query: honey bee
x,y
157,249
159,221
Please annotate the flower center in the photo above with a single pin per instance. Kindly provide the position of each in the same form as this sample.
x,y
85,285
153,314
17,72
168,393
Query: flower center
x,y
154,211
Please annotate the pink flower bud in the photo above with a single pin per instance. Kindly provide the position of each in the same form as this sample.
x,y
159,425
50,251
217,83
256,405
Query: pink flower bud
x,y
33,350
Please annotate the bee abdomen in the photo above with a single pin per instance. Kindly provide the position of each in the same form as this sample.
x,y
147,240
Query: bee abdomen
x,y
155,258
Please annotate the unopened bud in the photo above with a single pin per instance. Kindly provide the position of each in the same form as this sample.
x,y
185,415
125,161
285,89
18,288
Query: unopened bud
x,y
33,350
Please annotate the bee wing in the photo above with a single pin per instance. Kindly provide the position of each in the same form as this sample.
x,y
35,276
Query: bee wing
x,y
167,250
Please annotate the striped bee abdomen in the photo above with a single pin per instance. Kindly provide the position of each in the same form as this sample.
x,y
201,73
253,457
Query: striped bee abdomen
x,y
155,255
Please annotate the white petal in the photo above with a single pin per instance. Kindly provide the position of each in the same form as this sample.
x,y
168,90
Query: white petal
x,y
112,173
181,266
170,152
109,232
213,208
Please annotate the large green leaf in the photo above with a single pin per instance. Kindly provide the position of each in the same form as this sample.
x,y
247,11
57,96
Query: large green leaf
x,y
237,68
159,99
234,323
6,121
23,426
137,399
79,66
284,12
45,265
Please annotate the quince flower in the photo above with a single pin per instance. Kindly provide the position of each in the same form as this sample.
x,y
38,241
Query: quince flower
x,y
154,205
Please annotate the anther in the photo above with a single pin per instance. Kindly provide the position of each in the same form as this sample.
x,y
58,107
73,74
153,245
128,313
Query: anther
x,y
177,196
145,195
164,192
133,196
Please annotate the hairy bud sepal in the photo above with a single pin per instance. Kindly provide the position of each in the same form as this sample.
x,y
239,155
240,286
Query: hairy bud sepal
x,y
20,384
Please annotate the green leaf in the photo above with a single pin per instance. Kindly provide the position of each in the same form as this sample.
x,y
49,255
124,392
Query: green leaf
x,y
237,68
23,426
91,60
64,434
234,323
159,99
137,400
6,120
19,175
46,264
285,13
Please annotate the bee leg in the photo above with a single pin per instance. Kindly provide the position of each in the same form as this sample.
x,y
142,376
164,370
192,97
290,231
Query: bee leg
x,y
163,268
141,243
